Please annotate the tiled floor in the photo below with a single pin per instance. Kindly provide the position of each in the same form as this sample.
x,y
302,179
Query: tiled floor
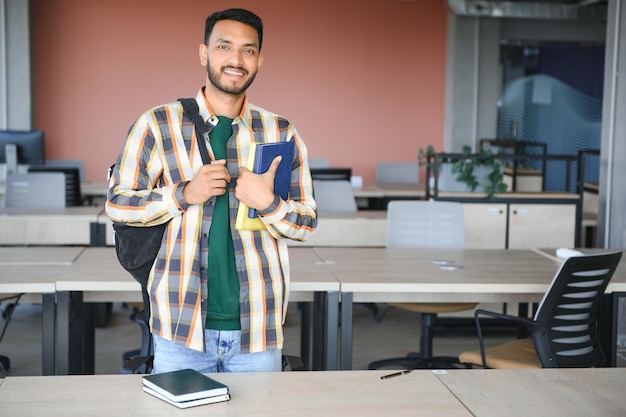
x,y
396,335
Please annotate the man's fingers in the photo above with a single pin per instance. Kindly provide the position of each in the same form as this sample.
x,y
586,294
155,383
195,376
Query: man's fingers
x,y
274,166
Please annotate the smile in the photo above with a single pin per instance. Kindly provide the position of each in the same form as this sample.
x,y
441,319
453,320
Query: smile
x,y
235,72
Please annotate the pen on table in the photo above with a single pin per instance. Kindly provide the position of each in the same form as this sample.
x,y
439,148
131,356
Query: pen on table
x,y
406,371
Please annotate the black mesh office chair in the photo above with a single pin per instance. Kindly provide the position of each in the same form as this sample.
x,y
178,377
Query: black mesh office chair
x,y
139,361
564,331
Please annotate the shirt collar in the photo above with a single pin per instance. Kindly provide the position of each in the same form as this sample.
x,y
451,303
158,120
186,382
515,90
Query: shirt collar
x,y
244,118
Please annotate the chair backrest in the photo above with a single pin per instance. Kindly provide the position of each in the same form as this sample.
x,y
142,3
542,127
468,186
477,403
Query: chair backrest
x,y
73,195
333,195
425,224
397,173
35,190
564,329
331,174
319,163
75,163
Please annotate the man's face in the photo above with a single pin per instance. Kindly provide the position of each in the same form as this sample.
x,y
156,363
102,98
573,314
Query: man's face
x,y
232,56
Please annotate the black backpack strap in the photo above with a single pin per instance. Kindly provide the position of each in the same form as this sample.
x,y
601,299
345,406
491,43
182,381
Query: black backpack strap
x,y
190,108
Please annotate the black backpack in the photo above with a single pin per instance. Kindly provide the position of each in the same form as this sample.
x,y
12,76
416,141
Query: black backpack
x,y
137,247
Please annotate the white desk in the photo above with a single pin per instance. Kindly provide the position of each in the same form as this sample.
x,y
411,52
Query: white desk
x,y
376,195
32,271
363,228
96,276
483,393
619,277
276,394
36,280
409,275
39,255
546,392
67,226
94,188
382,190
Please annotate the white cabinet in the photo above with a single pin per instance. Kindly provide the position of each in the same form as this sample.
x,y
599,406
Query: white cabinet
x,y
485,225
516,225
542,225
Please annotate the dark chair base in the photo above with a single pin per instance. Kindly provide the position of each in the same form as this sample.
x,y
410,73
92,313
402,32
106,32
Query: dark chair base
x,y
292,363
139,361
372,307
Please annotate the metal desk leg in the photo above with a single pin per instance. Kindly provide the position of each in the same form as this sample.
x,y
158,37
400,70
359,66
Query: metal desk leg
x,y
346,330
48,324
75,335
325,330
305,333
319,331
332,331
63,333
88,336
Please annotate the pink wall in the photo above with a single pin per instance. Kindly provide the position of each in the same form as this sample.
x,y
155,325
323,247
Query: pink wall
x,y
363,81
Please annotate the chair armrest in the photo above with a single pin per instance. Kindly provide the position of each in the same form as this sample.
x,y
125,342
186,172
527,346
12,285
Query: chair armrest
x,y
135,365
499,316
507,317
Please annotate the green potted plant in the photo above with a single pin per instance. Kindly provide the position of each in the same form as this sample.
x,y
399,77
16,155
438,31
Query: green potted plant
x,y
480,171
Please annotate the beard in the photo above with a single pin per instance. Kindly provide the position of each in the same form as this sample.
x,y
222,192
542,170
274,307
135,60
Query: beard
x,y
214,79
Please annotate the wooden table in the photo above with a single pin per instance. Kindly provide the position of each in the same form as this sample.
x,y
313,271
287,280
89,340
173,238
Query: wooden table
x,y
546,392
410,275
276,394
96,276
67,226
482,393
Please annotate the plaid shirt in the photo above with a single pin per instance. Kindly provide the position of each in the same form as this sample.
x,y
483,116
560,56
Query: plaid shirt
x,y
159,155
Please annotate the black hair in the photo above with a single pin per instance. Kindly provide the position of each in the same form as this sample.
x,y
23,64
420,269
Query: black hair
x,y
240,15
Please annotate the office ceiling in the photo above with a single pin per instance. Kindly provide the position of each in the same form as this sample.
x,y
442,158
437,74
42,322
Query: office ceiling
x,y
535,9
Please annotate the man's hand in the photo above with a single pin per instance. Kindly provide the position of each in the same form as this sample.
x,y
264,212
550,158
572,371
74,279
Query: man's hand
x,y
209,181
257,190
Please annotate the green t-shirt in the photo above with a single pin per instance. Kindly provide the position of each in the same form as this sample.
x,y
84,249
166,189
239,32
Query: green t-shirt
x,y
223,285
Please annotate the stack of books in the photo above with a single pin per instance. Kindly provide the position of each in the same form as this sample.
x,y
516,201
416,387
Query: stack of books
x,y
185,388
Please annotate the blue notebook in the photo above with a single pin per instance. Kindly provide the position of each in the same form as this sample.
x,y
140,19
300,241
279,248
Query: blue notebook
x,y
259,161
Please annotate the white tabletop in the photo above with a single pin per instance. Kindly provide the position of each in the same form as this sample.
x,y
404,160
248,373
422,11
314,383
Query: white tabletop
x,y
396,275
303,394
66,226
94,188
34,279
546,392
39,255
97,270
618,282
381,190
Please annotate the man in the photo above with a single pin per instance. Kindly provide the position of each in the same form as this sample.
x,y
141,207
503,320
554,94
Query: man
x,y
218,296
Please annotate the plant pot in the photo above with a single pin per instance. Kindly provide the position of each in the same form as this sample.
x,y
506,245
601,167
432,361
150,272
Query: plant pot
x,y
448,180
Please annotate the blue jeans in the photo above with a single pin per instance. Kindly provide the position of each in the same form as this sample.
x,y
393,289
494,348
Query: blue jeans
x,y
222,355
